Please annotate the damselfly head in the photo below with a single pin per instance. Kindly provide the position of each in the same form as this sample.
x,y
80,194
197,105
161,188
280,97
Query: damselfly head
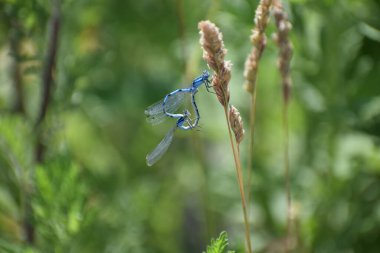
x,y
205,75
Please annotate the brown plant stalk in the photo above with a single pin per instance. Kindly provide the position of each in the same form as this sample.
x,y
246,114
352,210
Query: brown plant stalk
x,y
285,54
47,83
214,53
258,40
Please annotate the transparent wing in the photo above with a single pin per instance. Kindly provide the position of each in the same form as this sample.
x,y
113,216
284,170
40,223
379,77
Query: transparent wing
x,y
161,148
155,113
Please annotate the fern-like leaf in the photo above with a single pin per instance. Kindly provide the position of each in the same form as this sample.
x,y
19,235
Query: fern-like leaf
x,y
219,244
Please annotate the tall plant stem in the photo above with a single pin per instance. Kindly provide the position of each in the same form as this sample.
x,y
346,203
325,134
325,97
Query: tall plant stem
x,y
47,76
240,181
252,121
47,83
50,60
287,176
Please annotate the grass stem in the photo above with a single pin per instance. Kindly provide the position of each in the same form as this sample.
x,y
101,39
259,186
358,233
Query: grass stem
x,y
252,121
287,176
240,182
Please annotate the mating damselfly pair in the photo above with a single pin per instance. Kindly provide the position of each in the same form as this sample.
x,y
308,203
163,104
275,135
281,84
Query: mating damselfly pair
x,y
168,108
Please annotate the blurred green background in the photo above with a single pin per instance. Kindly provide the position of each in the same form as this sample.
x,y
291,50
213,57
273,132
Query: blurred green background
x,y
93,192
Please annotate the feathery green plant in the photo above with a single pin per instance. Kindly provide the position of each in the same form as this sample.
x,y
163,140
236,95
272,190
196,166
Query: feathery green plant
x,y
219,244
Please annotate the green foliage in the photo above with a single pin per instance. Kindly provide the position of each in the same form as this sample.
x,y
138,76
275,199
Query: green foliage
x,y
59,202
219,244
92,191
16,163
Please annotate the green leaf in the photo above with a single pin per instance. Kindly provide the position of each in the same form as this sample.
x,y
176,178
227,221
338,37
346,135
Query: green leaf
x,y
219,245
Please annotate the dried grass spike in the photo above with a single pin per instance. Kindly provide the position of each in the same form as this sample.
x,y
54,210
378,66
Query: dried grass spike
x,y
214,53
236,124
286,50
212,44
258,40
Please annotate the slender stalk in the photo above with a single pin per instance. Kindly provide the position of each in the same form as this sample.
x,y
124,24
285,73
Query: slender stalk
x,y
252,121
49,64
240,182
285,54
47,83
258,40
214,53
47,76
287,176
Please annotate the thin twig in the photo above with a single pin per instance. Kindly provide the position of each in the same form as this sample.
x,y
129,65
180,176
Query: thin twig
x,y
47,83
47,75
49,64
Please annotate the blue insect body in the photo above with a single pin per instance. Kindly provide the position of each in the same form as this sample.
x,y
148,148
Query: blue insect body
x,y
167,107
197,82
163,146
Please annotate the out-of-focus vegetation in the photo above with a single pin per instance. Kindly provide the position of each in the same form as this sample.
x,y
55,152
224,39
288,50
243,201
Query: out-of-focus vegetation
x,y
91,190
219,244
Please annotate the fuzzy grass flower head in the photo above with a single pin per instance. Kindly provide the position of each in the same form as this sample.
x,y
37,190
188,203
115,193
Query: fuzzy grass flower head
x,y
214,53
